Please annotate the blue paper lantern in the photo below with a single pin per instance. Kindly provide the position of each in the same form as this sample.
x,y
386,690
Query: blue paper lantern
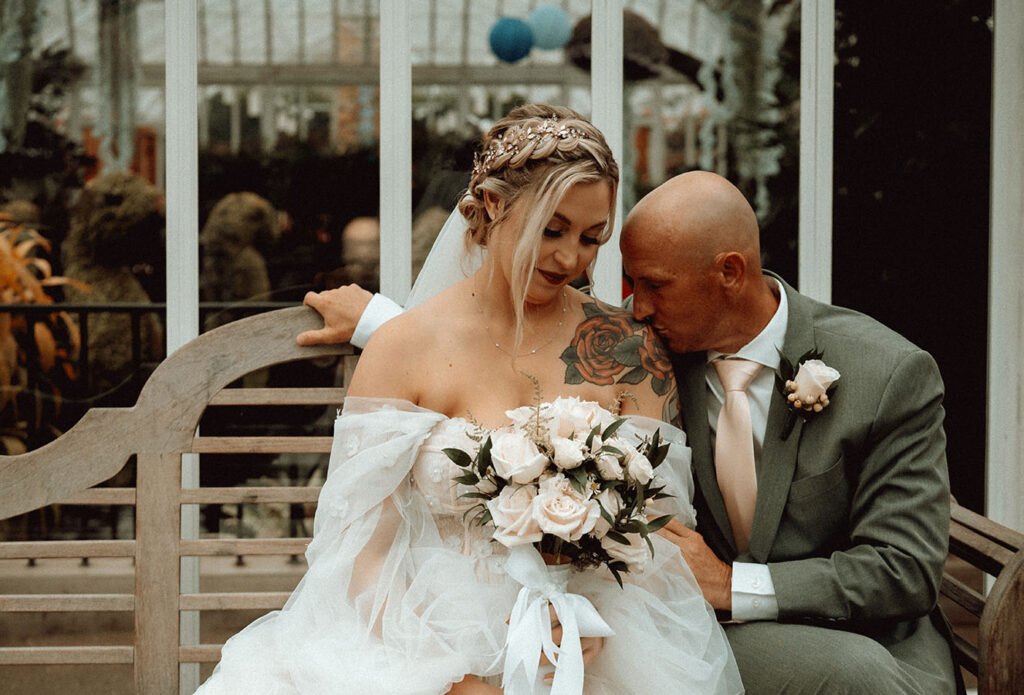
x,y
551,27
511,39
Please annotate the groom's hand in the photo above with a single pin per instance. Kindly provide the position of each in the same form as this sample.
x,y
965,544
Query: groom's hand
x,y
713,575
340,309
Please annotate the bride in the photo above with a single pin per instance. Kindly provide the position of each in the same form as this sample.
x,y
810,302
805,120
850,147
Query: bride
x,y
404,596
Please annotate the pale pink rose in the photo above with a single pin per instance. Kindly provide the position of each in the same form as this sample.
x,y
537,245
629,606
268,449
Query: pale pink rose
x,y
568,416
516,458
636,555
563,512
812,380
638,468
525,417
612,503
566,453
512,513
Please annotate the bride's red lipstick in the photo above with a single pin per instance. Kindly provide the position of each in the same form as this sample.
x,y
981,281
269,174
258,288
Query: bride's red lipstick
x,y
553,278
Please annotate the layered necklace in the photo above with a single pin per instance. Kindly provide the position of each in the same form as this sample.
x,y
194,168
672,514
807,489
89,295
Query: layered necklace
x,y
490,336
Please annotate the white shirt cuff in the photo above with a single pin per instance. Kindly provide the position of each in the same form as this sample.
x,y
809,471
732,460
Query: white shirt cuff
x,y
379,311
753,592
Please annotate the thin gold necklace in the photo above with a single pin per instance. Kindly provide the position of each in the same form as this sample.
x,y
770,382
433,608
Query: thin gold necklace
x,y
554,332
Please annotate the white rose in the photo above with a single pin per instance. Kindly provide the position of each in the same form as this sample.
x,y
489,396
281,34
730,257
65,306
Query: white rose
x,y
612,503
567,453
812,380
638,468
524,417
516,458
608,463
563,512
608,466
512,512
636,555
568,416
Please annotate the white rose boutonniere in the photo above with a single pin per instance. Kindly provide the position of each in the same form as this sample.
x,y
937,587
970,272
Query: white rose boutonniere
x,y
807,388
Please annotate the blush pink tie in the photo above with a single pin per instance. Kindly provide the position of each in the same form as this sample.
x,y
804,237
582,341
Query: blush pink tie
x,y
734,447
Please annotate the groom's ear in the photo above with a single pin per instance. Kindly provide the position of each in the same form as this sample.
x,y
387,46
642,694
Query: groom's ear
x,y
731,267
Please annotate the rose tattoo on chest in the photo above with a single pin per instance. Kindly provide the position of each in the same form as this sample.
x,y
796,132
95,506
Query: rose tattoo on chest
x,y
611,348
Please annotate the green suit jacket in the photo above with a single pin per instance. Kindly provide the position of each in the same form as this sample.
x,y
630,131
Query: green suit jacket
x,y
852,513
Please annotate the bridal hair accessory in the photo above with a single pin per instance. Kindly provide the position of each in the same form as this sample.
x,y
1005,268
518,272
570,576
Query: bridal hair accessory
x,y
517,144
806,388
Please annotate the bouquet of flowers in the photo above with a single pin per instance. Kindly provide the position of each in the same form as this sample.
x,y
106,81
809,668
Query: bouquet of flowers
x,y
563,479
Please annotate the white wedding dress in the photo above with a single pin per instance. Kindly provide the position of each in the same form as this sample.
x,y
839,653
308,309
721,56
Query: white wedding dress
x,y
403,597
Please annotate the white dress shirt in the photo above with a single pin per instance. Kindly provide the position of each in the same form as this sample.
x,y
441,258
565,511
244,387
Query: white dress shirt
x,y
753,593
379,311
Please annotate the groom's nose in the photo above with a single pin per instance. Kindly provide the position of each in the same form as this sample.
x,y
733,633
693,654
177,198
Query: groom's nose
x,y
643,308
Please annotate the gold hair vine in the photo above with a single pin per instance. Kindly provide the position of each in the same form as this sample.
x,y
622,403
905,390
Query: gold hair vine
x,y
514,137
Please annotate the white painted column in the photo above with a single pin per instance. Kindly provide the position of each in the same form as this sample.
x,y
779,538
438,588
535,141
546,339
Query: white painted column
x,y
817,79
1005,439
181,98
395,151
607,104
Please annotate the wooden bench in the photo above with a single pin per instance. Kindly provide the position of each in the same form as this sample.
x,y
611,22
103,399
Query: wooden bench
x,y
161,427
996,657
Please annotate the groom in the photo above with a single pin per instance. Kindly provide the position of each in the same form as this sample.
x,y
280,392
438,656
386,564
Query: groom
x,y
824,537
830,546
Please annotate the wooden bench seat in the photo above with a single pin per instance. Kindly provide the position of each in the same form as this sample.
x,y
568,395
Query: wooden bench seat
x,y
161,428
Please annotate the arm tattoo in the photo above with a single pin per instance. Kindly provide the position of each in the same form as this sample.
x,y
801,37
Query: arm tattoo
x,y
610,348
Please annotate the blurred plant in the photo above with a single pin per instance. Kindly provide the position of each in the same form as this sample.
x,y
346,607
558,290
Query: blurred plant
x,y
38,355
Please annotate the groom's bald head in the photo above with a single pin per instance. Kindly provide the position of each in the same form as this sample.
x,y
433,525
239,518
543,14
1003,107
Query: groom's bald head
x,y
692,247
697,216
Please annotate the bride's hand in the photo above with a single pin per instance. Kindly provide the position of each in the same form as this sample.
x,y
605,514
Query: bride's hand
x,y
471,685
591,646
341,309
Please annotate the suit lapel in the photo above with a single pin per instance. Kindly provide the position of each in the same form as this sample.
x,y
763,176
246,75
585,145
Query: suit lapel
x,y
778,455
690,374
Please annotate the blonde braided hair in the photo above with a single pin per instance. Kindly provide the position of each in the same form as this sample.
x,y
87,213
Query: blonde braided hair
x,y
530,159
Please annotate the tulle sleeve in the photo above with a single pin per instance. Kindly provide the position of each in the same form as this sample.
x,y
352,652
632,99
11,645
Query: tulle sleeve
x,y
385,606
674,471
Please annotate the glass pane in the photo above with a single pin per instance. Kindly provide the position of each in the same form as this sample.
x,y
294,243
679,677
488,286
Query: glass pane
x,y
82,201
912,163
716,86
463,82
288,203
81,179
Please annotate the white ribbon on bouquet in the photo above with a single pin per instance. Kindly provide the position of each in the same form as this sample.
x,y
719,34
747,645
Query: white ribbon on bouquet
x,y
529,629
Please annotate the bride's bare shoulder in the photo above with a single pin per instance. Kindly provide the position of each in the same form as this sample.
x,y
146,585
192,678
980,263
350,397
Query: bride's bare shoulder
x,y
395,359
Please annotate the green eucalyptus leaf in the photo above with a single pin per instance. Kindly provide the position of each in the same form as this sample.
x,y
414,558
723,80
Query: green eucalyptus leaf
x,y
617,537
611,429
475,496
483,458
658,523
459,457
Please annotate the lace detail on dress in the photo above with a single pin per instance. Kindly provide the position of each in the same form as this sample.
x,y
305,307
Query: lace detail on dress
x,y
432,476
